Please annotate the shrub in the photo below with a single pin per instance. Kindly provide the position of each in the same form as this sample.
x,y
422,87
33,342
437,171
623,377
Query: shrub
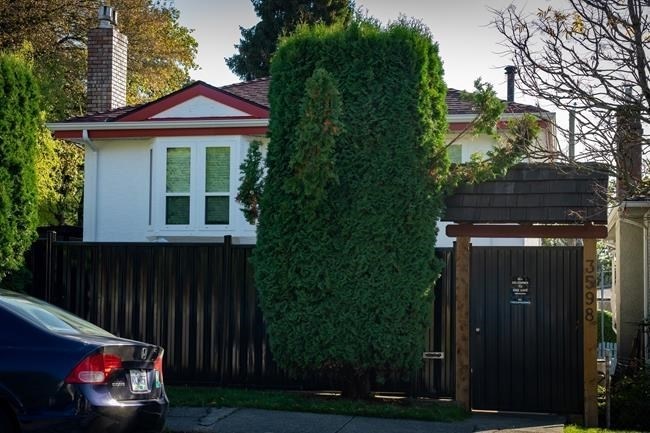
x,y
631,402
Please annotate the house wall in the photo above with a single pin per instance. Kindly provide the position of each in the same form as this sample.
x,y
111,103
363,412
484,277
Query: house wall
x,y
627,296
124,185
124,192
118,174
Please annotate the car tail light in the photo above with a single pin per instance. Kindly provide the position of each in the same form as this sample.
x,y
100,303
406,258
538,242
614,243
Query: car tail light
x,y
95,368
158,365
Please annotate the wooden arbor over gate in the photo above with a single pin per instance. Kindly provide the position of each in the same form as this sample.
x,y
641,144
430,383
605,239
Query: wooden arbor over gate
x,y
531,201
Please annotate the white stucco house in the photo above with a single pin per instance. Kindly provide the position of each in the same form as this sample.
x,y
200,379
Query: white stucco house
x,y
168,170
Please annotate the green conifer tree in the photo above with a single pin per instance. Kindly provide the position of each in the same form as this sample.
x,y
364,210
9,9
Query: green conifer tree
x,y
278,18
345,259
20,123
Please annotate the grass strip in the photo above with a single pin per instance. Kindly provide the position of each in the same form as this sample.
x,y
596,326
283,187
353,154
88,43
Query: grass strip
x,y
578,429
311,402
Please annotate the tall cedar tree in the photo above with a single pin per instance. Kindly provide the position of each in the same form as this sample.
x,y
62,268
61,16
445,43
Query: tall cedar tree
x,y
20,122
345,259
278,18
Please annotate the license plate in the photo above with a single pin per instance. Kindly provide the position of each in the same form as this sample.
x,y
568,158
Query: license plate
x,y
139,382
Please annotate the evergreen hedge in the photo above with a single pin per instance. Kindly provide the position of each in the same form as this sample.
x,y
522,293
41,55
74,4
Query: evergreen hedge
x,y
345,259
20,122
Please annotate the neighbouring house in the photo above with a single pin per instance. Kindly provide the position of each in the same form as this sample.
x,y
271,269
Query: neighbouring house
x,y
628,225
168,170
629,233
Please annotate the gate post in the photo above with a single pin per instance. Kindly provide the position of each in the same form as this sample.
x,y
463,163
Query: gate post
x,y
589,334
462,253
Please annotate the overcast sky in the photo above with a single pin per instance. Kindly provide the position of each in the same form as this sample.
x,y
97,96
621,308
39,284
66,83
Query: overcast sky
x,y
469,46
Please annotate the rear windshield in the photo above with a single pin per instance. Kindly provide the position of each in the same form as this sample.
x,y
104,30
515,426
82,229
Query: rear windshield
x,y
50,317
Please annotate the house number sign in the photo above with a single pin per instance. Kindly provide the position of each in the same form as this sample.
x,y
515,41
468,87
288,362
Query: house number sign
x,y
520,291
590,293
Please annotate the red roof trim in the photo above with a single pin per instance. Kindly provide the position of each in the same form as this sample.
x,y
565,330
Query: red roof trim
x,y
197,89
67,135
157,132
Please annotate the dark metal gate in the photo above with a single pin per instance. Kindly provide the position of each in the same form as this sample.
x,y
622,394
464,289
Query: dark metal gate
x,y
526,332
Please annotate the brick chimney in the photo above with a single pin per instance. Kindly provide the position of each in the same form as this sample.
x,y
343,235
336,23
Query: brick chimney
x,y
629,138
107,50
510,73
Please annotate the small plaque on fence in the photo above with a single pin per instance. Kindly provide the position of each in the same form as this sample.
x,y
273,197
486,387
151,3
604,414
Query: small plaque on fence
x,y
520,291
433,355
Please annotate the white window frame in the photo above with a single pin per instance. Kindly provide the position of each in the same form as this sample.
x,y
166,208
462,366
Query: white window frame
x,y
202,154
189,193
197,226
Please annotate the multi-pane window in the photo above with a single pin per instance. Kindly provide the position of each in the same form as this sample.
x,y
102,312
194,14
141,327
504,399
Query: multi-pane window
x,y
217,185
178,182
197,185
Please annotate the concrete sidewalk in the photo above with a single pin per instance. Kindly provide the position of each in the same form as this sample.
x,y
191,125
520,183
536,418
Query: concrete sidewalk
x,y
232,420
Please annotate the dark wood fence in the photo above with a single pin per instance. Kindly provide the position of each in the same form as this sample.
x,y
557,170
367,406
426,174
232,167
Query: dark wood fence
x,y
199,302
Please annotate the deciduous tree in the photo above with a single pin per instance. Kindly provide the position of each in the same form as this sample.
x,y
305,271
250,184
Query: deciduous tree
x,y
591,58
161,50
59,180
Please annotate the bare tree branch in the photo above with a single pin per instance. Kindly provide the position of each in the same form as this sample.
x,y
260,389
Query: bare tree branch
x,y
592,58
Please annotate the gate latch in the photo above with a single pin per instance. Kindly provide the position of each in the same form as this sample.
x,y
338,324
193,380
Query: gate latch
x,y
433,355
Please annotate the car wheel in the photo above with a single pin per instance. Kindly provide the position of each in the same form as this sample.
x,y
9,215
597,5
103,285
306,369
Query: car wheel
x,y
7,421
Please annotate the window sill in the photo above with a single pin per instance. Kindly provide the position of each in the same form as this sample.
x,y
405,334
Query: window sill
x,y
201,234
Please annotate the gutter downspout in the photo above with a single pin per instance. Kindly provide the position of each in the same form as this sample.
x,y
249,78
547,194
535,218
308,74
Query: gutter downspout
x,y
90,184
87,140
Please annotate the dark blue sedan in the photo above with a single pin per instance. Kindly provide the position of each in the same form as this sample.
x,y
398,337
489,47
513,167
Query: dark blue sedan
x,y
59,373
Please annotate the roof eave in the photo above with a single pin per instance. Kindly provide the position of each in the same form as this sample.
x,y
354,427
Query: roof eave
x,y
468,117
157,124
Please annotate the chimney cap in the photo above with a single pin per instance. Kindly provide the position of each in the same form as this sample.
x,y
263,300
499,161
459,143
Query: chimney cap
x,y
107,16
510,69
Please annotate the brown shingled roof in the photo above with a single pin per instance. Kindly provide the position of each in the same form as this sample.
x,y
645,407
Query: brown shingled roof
x,y
534,193
105,116
256,91
456,105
